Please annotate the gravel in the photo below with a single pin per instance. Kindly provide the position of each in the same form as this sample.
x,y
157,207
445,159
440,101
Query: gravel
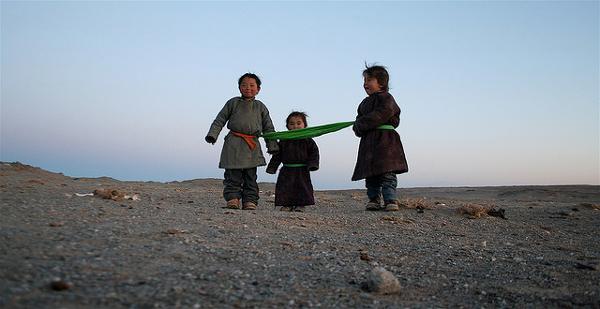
x,y
176,247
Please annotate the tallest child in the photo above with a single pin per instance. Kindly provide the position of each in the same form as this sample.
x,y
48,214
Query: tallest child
x,y
246,119
380,153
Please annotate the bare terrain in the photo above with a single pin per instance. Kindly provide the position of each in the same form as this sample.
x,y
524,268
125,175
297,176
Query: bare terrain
x,y
172,245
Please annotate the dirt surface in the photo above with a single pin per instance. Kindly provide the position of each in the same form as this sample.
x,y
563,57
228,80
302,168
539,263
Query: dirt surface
x,y
177,247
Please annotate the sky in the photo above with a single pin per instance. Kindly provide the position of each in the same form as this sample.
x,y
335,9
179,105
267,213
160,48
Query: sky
x,y
491,93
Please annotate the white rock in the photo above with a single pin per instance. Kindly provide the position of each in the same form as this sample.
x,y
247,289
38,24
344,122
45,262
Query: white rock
x,y
381,281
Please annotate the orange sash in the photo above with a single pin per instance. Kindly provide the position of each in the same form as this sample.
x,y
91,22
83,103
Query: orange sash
x,y
249,139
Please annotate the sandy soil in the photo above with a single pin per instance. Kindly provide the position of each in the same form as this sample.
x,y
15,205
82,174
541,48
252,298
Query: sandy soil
x,y
177,247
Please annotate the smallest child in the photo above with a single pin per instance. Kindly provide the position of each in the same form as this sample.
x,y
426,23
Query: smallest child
x,y
294,189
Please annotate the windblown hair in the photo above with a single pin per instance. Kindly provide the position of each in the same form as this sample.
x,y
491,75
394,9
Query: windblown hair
x,y
380,74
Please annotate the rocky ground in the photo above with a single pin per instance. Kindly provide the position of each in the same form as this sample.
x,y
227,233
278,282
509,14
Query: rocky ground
x,y
176,247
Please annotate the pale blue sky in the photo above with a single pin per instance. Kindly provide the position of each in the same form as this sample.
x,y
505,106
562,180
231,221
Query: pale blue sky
x,y
492,93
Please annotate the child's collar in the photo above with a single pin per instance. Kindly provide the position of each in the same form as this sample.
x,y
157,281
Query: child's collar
x,y
248,99
378,92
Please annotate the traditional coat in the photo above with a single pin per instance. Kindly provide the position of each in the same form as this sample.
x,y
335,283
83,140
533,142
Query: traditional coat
x,y
380,151
250,117
294,187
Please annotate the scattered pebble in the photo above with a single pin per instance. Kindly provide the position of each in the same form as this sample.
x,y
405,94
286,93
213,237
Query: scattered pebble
x,y
381,281
175,231
365,256
580,265
58,284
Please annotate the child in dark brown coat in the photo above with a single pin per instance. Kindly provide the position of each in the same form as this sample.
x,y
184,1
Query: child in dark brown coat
x,y
294,189
380,153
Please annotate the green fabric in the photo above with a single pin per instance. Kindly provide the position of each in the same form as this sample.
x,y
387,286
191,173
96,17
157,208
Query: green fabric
x,y
307,132
315,131
294,165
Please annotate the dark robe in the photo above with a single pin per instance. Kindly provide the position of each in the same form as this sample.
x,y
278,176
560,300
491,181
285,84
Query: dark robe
x,y
294,187
380,151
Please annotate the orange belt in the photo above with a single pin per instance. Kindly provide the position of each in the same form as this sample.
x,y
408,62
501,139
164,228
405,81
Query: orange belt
x,y
249,139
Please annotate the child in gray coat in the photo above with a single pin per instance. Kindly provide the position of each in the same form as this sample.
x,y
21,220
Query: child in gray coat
x,y
246,119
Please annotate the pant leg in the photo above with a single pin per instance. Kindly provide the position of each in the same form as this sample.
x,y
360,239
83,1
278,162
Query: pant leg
x,y
373,185
249,186
389,181
232,184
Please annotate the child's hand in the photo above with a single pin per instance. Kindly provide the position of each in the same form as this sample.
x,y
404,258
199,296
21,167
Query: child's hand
x,y
356,131
210,139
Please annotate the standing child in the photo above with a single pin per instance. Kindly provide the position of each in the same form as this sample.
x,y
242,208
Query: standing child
x,y
294,189
380,153
246,118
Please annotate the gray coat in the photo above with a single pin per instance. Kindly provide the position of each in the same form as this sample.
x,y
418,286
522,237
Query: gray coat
x,y
249,117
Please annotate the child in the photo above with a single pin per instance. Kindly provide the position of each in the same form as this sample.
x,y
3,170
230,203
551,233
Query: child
x,y
380,154
294,189
246,118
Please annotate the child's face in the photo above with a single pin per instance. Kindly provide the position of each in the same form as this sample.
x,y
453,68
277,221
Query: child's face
x,y
371,85
295,123
249,88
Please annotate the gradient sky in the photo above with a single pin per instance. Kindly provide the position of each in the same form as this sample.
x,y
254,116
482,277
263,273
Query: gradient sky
x,y
492,93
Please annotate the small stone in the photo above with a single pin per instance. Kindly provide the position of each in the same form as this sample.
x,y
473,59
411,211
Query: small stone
x,y
60,285
381,281
579,265
365,256
175,231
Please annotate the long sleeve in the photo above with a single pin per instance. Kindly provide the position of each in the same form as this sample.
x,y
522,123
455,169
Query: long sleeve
x,y
384,107
312,161
274,163
220,120
267,126
354,127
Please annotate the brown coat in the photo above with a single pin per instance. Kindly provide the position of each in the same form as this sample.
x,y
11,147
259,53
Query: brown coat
x,y
380,151
294,187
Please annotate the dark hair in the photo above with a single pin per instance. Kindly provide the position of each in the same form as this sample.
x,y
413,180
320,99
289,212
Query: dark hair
x,y
302,115
249,75
380,74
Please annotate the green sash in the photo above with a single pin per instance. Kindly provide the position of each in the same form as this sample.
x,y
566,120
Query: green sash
x,y
294,165
314,131
307,132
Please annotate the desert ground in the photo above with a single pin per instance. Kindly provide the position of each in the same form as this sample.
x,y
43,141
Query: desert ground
x,y
172,245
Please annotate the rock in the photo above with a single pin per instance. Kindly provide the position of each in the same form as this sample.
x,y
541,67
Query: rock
x,y
175,231
500,213
591,205
381,281
579,265
365,256
60,285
